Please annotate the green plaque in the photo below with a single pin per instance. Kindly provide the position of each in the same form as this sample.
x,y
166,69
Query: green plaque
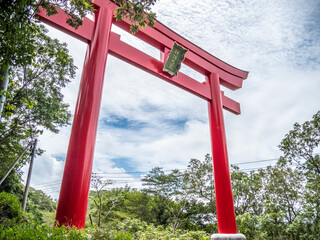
x,y
176,57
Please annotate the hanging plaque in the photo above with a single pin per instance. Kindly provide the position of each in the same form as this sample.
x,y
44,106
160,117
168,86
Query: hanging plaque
x,y
176,57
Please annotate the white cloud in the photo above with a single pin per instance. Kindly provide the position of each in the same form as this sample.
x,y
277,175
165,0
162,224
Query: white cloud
x,y
169,151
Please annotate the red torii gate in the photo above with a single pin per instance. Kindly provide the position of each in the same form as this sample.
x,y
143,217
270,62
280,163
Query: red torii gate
x,y
73,199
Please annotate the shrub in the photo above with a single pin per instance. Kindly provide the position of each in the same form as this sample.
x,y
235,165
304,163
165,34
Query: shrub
x,y
136,229
34,230
10,208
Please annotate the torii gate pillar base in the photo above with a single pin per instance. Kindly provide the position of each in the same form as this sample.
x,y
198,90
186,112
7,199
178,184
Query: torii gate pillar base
x,y
227,236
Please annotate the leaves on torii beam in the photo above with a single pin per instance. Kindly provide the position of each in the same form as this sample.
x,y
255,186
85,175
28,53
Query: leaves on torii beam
x,y
138,12
76,10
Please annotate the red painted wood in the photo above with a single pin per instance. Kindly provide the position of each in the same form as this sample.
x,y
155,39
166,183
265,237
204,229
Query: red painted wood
x,y
164,54
222,181
73,199
230,105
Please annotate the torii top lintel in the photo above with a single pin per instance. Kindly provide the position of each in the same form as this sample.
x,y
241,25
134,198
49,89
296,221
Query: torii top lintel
x,y
162,38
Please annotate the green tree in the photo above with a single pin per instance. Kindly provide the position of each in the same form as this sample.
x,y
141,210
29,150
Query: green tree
x,y
282,200
201,184
172,189
298,147
247,191
12,183
40,205
42,200
249,224
141,206
18,28
284,188
99,198
19,31
34,100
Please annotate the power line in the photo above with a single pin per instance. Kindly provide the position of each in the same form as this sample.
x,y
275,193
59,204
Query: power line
x,y
168,170
54,186
47,188
257,161
165,170
47,183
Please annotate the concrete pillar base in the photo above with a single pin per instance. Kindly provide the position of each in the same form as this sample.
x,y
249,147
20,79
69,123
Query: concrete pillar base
x,y
228,236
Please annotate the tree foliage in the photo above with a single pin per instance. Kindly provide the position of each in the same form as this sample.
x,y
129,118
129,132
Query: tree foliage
x,y
38,67
300,143
201,184
247,191
10,208
299,147
34,100
138,12
39,205
172,189
99,198
35,231
19,31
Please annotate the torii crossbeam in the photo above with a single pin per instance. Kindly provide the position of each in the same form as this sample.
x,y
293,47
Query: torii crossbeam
x,y
73,199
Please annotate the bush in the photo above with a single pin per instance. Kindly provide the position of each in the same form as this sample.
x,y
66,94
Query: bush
x,y
128,230
136,229
10,208
250,225
33,230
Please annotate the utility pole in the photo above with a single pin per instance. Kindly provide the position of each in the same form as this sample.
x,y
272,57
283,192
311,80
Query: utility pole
x,y
25,195
5,176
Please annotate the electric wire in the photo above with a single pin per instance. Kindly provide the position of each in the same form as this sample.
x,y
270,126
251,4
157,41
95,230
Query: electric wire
x,y
54,186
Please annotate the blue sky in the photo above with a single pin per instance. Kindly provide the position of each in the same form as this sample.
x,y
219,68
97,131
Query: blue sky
x,y
145,122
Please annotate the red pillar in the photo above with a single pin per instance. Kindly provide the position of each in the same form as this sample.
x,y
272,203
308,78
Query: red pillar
x,y
73,199
223,189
